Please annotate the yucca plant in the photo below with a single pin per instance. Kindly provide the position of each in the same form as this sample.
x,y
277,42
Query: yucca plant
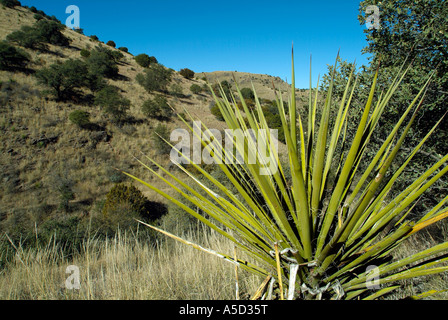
x,y
313,237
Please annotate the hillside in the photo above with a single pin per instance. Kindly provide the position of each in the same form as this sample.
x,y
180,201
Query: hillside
x,y
43,153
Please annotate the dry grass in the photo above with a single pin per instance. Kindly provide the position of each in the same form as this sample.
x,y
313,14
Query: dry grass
x,y
126,268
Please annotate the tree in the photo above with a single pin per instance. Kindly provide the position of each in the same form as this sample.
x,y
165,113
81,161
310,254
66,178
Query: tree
x,y
10,3
155,78
416,30
113,103
143,60
187,73
12,57
102,63
28,37
51,31
124,49
248,93
157,108
64,78
195,89
111,44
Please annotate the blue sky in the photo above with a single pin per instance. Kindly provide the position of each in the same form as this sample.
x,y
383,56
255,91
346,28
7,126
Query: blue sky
x,y
248,36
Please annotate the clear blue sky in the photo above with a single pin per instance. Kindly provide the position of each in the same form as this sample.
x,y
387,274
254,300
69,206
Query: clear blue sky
x,y
248,36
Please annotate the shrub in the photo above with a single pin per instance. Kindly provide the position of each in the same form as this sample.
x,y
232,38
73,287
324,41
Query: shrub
x,y
111,44
79,30
143,60
64,78
155,78
176,90
80,118
195,89
102,63
160,134
247,93
51,32
85,53
217,113
187,73
38,16
124,49
27,37
112,103
12,57
157,108
94,38
131,199
11,3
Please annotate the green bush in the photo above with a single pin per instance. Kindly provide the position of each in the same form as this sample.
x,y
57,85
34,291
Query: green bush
x,y
102,63
51,31
64,78
195,89
128,200
80,118
94,38
248,93
111,44
157,108
10,3
12,57
155,78
217,113
187,73
143,60
113,103
27,37
85,53
124,49
160,134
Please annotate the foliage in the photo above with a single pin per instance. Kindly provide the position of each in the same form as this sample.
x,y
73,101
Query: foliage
x,y
10,3
111,44
157,108
143,60
159,136
84,53
187,73
155,78
80,118
315,234
416,31
176,90
102,63
27,37
248,93
216,111
64,78
195,89
124,49
122,196
51,32
94,38
113,103
12,57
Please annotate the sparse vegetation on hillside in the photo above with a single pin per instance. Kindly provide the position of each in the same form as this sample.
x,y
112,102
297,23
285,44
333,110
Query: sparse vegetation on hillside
x,y
155,78
11,57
